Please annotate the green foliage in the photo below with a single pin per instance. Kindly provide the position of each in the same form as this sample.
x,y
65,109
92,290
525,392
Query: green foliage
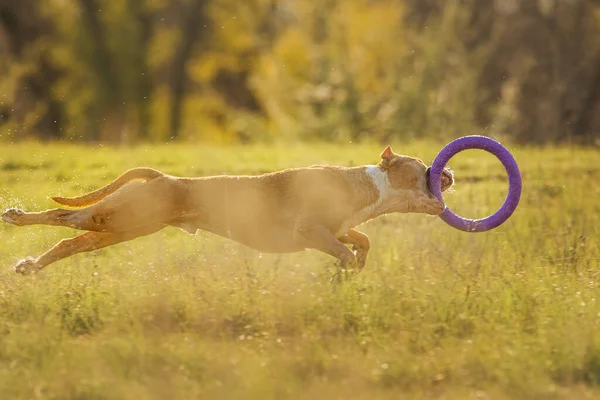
x,y
226,71
369,75
80,311
437,313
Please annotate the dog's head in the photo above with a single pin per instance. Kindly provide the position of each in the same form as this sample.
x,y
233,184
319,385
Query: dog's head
x,y
408,178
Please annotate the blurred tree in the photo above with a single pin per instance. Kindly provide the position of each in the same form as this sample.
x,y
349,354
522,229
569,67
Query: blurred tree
x,y
108,96
193,22
541,63
24,32
143,19
296,69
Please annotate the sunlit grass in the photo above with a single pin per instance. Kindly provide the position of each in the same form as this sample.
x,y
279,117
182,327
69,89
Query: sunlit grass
x,y
437,313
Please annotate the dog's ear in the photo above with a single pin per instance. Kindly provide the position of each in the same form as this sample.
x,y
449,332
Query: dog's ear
x,y
387,153
387,157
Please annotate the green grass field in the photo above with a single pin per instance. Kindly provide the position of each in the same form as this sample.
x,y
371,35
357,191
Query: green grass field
x,y
437,313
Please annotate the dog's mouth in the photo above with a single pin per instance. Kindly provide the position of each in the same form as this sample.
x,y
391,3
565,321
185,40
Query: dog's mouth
x,y
447,178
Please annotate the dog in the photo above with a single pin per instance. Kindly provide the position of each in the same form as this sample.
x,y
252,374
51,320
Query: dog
x,y
286,211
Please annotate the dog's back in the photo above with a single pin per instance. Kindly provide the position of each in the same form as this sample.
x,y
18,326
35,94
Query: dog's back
x,y
261,211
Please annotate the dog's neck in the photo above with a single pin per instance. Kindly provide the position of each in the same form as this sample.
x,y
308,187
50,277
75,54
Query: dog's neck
x,y
373,195
387,196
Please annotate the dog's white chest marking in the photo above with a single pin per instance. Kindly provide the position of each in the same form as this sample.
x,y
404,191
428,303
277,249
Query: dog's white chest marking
x,y
384,191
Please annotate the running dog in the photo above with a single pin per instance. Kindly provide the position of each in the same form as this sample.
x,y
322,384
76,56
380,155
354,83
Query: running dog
x,y
315,207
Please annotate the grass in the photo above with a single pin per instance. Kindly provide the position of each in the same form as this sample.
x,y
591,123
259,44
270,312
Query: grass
x,y
437,313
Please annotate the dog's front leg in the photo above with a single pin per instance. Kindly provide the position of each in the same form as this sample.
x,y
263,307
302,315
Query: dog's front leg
x,y
317,236
360,245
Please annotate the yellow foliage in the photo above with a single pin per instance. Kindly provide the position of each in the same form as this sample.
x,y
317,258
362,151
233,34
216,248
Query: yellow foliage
x,y
162,46
375,41
292,51
330,69
236,23
203,69
160,113
12,71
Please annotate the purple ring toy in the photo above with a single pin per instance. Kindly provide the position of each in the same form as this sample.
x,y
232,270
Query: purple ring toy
x,y
514,182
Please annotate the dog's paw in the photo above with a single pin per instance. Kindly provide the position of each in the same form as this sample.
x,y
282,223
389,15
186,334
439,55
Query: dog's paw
x,y
27,266
345,270
12,215
361,259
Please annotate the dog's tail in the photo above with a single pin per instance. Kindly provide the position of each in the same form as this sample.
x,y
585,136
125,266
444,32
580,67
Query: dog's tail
x,y
146,174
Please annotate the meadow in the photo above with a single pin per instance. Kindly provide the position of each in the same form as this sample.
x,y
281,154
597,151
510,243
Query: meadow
x,y
436,314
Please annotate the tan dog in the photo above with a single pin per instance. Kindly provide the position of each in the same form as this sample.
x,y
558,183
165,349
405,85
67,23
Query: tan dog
x,y
286,211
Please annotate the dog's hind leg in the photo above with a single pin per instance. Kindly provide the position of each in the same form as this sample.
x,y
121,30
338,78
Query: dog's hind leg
x,y
133,207
98,218
57,216
88,241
